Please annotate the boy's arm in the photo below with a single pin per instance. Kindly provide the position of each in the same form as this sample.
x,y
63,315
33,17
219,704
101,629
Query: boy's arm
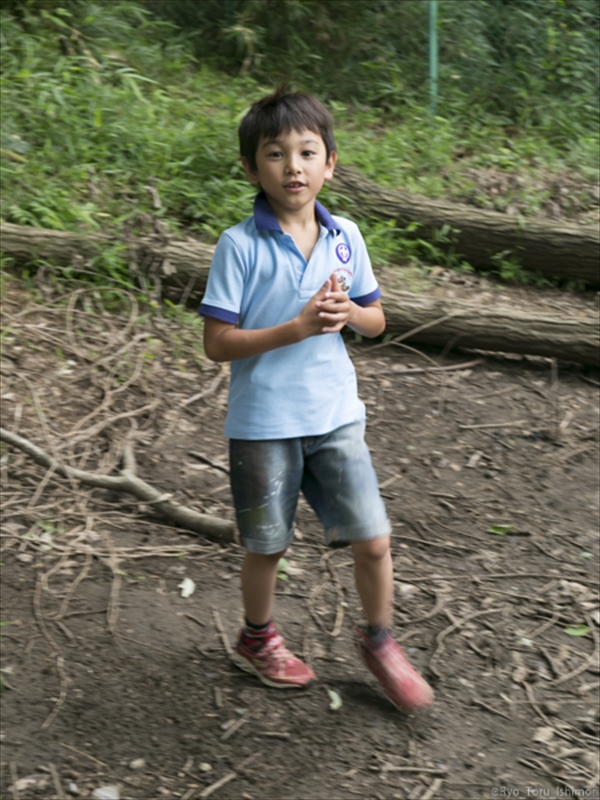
x,y
328,311
223,341
370,320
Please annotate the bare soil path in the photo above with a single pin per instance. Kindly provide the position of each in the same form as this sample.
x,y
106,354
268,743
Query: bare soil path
x,y
117,685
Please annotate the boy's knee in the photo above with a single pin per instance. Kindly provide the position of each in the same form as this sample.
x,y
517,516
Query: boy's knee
x,y
371,549
263,559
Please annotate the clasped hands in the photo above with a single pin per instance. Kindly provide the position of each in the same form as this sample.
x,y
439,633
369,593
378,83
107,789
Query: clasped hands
x,y
328,311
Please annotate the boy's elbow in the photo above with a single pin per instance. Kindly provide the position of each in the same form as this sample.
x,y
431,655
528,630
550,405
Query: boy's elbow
x,y
214,339
375,332
370,320
378,325
214,352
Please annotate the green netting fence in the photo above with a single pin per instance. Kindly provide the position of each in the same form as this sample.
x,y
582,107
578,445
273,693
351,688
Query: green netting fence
x,y
515,59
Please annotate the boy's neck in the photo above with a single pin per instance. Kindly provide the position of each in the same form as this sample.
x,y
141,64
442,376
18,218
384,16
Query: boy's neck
x,y
302,219
302,225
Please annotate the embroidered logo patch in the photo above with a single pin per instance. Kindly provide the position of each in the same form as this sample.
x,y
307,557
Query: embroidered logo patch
x,y
343,252
344,277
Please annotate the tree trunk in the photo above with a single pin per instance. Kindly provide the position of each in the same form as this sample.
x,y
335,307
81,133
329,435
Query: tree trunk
x,y
555,249
182,267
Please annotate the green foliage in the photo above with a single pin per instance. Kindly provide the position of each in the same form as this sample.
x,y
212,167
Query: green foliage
x,y
508,266
114,118
501,530
522,62
94,129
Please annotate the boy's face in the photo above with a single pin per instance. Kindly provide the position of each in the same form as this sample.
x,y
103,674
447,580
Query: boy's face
x,y
291,169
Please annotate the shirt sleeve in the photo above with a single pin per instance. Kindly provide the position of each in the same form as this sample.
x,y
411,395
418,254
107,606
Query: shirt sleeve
x,y
365,288
224,289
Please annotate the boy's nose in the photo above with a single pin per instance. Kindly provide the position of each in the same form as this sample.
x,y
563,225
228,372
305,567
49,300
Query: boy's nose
x,y
291,167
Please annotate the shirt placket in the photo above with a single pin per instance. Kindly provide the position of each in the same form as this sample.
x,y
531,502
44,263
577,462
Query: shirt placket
x,y
313,276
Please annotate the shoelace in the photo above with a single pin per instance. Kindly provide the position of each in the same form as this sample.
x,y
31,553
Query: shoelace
x,y
277,650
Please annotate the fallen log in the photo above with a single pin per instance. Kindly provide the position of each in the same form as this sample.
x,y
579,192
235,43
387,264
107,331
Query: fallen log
x,y
554,249
186,259
182,267
493,326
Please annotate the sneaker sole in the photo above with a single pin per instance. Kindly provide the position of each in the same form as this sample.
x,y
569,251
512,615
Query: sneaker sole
x,y
405,709
245,665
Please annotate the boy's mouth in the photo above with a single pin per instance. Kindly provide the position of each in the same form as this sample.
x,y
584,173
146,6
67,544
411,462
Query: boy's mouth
x,y
294,185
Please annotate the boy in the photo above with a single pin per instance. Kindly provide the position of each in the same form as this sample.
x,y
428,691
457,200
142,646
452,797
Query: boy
x,y
282,285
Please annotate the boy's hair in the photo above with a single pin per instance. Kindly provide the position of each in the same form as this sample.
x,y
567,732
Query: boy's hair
x,y
282,112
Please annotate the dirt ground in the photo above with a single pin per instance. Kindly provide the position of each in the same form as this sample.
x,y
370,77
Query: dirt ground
x,y
117,685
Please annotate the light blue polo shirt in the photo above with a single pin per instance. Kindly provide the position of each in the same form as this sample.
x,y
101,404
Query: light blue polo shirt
x,y
259,278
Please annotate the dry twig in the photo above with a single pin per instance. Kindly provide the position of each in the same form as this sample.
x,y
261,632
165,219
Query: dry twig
x,y
454,626
129,482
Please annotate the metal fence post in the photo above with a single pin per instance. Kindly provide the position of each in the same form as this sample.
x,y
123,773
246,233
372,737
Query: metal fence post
x,y
433,56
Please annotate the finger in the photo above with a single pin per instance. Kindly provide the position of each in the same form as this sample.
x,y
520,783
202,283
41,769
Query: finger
x,y
335,329
332,316
333,319
335,287
334,306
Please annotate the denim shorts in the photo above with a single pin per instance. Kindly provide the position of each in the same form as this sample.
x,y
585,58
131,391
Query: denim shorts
x,y
335,474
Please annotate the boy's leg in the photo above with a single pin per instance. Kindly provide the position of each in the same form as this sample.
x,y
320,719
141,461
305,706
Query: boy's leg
x,y
259,575
265,480
260,649
381,654
342,487
374,577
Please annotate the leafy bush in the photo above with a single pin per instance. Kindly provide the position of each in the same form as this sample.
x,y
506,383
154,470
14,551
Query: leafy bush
x,y
88,127
113,120
511,59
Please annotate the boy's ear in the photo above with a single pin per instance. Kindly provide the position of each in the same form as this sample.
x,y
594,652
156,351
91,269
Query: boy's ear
x,y
330,165
252,176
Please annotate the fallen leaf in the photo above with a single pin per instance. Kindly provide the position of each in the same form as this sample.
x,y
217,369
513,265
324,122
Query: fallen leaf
x,y
520,674
474,460
4,684
106,793
34,782
283,566
292,570
543,735
577,630
500,530
573,589
187,586
336,700
406,590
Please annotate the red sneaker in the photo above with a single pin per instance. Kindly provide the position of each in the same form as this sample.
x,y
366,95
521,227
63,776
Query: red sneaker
x,y
273,663
404,687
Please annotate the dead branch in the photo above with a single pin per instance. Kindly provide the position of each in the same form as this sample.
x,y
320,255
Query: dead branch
x,y
127,481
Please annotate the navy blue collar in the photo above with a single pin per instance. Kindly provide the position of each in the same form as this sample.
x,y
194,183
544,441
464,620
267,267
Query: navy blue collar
x,y
266,220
